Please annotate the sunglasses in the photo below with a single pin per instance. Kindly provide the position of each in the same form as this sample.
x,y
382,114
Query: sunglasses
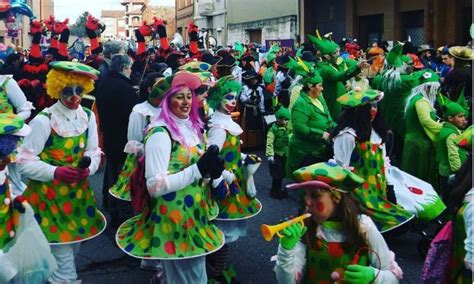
x,y
70,91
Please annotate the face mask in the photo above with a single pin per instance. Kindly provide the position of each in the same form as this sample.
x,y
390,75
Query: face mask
x,y
229,103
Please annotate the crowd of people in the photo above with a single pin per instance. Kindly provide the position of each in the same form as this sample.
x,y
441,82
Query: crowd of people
x,y
373,139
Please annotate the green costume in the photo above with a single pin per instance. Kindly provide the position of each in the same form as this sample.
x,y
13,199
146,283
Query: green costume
x,y
309,122
5,104
277,141
175,225
458,273
449,156
66,213
422,131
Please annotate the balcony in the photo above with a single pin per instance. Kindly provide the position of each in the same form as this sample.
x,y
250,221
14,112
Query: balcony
x,y
205,8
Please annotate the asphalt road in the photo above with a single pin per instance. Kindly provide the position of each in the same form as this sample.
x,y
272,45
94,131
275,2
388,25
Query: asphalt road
x,y
100,261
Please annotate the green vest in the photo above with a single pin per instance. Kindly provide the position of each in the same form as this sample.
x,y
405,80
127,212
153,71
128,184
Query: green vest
x,y
280,143
442,150
412,122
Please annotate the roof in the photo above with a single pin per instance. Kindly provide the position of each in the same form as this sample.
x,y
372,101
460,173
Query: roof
x,y
124,2
112,14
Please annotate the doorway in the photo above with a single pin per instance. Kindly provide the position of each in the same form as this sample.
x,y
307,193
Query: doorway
x,y
370,28
255,36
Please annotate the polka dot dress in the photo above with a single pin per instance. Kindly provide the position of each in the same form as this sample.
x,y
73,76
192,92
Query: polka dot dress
x,y
368,162
175,225
5,105
66,213
121,188
9,218
238,206
324,258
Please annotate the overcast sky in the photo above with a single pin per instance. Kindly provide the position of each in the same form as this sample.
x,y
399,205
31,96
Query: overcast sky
x,y
73,9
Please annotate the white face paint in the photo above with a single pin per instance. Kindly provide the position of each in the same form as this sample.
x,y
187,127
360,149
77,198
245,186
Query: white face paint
x,y
229,102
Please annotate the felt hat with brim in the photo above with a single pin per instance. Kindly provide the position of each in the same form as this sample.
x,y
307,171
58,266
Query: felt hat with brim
x,y
282,113
12,124
394,56
427,76
247,57
359,97
188,79
461,53
175,55
325,46
196,66
425,47
210,59
227,60
464,140
328,175
159,67
76,68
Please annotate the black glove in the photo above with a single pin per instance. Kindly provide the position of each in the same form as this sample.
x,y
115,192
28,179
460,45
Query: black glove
x,y
139,36
217,168
207,160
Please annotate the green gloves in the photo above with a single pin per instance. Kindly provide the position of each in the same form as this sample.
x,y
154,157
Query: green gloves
x,y
291,236
359,274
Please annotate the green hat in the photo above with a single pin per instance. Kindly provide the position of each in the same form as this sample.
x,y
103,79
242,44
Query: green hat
x,y
325,46
201,69
394,56
272,53
326,175
452,109
427,76
464,140
304,69
239,47
223,86
189,79
76,67
358,97
282,113
12,124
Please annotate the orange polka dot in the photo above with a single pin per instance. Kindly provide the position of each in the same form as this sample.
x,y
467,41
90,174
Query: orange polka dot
x,y
184,247
57,154
176,216
34,199
209,246
244,200
65,236
138,235
232,208
54,209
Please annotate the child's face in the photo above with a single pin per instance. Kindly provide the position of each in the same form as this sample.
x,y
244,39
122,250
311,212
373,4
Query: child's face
x,y
282,122
459,120
320,203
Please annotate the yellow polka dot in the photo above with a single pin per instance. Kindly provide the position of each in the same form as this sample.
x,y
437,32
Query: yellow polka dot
x,y
84,221
79,193
72,225
202,232
358,95
69,144
63,190
166,228
44,190
372,180
44,222
197,197
145,243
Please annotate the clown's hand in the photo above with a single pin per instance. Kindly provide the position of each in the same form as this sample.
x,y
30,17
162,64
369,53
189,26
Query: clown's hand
x,y
359,274
291,235
252,159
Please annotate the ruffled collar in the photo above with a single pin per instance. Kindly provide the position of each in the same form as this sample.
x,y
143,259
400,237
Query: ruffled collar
x,y
146,109
188,137
224,121
68,122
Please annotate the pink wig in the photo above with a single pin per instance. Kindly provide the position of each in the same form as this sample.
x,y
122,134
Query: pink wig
x,y
165,115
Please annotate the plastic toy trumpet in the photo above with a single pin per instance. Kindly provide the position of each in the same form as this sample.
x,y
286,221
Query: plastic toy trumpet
x,y
268,232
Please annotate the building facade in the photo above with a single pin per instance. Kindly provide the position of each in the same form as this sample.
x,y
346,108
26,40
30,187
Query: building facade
x,y
134,15
184,14
260,20
437,22
114,21
211,15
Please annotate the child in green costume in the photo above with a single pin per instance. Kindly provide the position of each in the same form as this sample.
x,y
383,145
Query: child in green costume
x,y
336,243
449,156
276,152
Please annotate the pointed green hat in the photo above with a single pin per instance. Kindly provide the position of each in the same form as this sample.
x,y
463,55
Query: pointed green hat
x,y
394,57
282,113
464,140
304,69
272,53
427,76
326,175
448,107
358,97
325,46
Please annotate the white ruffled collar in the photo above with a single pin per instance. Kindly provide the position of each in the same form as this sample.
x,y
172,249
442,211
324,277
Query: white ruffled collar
x,y
68,122
224,121
189,137
146,109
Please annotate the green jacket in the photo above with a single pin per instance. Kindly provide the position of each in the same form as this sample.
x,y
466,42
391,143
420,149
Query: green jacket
x,y
420,120
449,156
277,141
334,82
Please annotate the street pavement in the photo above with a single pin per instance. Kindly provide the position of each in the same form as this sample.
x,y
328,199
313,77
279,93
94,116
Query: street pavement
x,y
101,261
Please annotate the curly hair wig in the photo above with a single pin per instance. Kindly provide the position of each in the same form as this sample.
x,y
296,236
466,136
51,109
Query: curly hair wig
x,y
223,87
57,80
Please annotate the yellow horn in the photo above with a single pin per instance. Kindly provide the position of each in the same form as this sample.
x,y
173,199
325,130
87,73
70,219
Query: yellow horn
x,y
317,34
268,232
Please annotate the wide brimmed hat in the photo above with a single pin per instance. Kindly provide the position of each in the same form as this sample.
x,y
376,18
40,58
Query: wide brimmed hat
x,y
425,47
210,59
327,175
250,74
461,53
175,55
227,60
188,79
76,68
247,57
359,97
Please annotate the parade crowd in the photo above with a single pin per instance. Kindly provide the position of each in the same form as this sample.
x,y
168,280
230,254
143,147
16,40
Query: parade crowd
x,y
375,141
